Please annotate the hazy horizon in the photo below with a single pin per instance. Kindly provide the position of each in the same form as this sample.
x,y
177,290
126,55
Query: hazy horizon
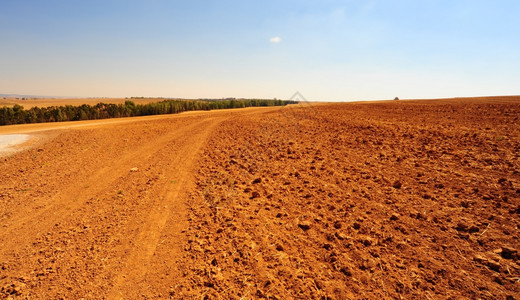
x,y
327,50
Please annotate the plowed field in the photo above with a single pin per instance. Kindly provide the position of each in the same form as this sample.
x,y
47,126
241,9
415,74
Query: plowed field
x,y
401,199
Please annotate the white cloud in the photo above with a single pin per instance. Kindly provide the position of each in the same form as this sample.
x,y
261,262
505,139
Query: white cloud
x,y
275,40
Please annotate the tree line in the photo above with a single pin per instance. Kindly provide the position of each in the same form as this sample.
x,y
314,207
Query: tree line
x,y
18,115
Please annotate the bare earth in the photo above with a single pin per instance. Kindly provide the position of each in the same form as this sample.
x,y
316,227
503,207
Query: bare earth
x,y
401,199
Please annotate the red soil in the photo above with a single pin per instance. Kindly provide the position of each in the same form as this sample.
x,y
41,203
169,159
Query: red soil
x,y
401,199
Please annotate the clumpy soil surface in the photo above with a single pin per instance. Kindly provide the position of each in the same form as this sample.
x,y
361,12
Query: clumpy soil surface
x,y
396,199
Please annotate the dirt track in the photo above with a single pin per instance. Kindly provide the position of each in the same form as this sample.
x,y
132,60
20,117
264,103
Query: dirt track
x,y
364,200
78,222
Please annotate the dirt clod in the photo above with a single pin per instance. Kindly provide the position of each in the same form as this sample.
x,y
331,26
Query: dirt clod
x,y
508,252
305,225
337,225
397,184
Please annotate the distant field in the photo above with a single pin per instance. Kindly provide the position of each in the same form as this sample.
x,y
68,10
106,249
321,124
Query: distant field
x,y
44,102
486,99
41,102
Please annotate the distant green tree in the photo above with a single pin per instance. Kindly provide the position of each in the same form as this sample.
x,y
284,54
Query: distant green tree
x,y
18,115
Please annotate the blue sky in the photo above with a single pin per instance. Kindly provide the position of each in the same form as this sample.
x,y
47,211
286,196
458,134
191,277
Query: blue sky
x,y
327,50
